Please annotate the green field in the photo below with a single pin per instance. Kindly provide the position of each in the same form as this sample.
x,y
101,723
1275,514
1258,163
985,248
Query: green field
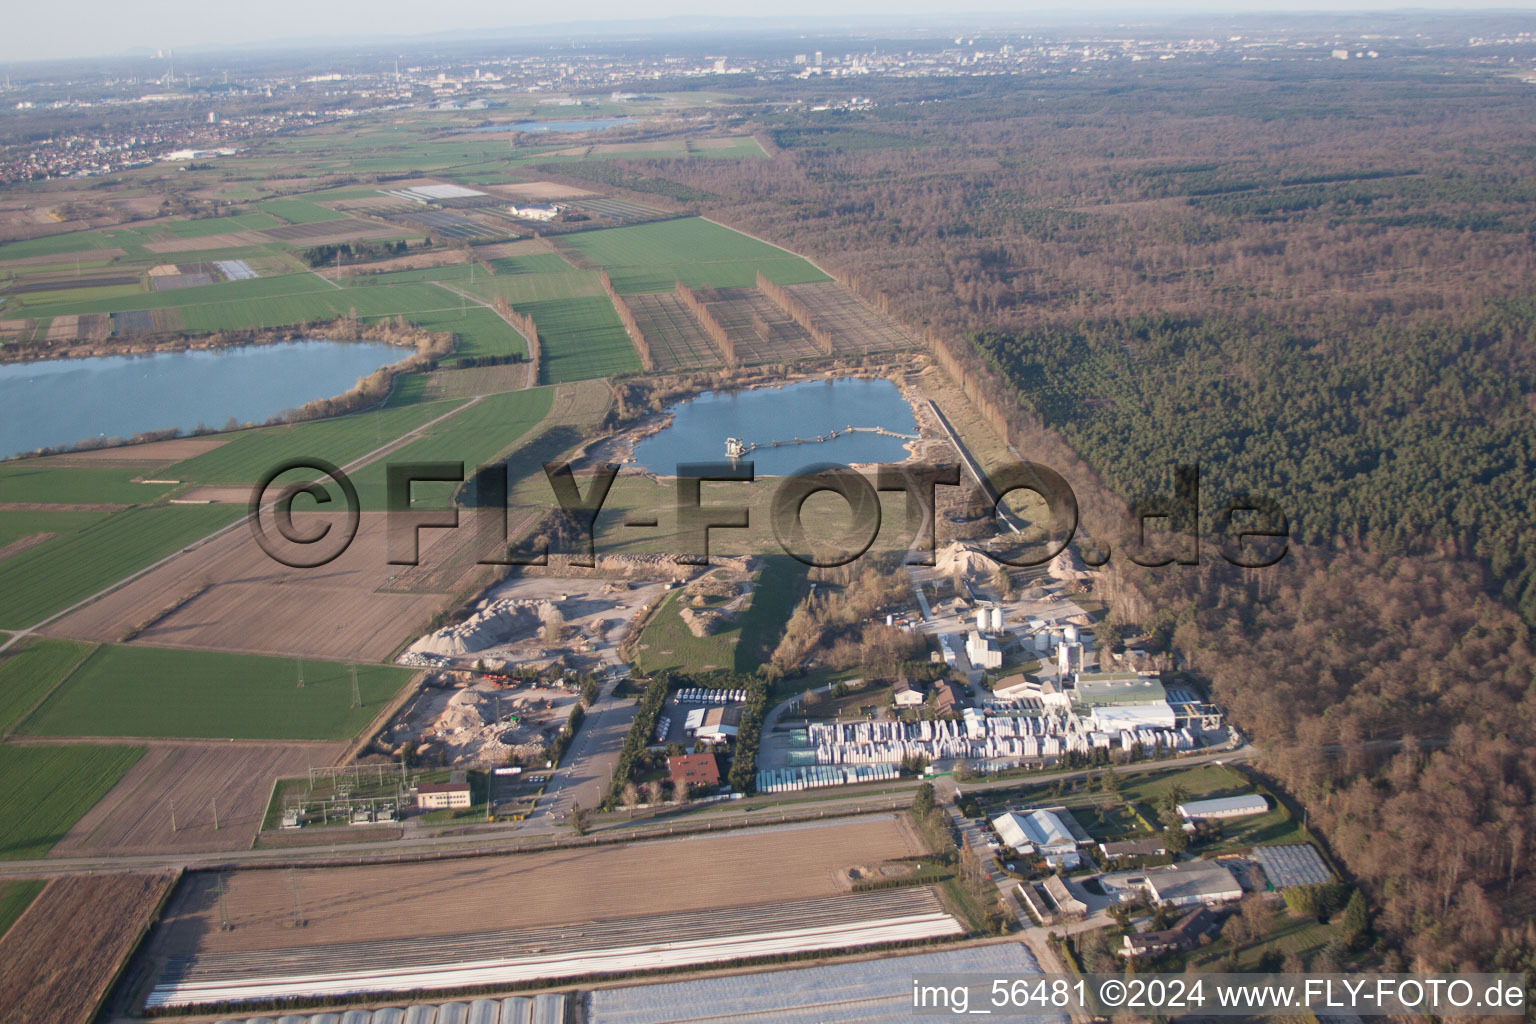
x,y
18,523
47,789
481,331
206,226
580,339
668,644
155,692
50,577
35,481
29,671
532,263
53,245
15,898
652,257
474,437
250,453
300,211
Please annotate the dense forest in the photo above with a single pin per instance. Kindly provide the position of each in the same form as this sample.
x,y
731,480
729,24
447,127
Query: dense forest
x,y
1314,279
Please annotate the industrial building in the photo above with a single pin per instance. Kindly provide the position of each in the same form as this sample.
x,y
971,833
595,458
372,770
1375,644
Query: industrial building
x,y
985,652
1068,903
713,725
432,796
1040,831
1224,807
1193,881
535,211
1127,848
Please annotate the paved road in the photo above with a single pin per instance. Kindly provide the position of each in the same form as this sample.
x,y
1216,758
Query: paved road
x,y
541,830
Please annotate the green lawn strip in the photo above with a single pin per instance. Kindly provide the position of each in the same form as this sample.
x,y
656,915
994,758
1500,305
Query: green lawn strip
x,y
250,453
159,692
18,523
50,577
474,437
33,481
301,211
668,644
48,788
649,257
30,671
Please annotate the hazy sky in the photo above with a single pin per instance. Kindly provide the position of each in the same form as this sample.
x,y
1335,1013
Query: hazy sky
x,y
42,30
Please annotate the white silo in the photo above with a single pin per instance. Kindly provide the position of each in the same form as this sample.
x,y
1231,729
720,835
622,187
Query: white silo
x,y
983,620
1070,632
997,618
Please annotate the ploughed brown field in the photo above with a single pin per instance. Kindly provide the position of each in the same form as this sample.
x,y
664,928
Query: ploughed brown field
x,y
255,605
448,897
57,961
162,452
135,817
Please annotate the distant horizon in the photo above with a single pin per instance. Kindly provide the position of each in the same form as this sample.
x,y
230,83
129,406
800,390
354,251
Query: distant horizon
x,y
115,31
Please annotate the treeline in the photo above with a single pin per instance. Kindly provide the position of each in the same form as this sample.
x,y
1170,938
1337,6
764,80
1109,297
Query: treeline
x,y
796,311
631,328
717,334
321,255
522,323
638,740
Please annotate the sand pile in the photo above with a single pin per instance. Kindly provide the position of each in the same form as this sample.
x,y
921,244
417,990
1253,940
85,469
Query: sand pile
x,y
964,559
496,622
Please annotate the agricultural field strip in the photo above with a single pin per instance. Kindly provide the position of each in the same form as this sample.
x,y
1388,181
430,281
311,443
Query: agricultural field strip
x,y
360,461
74,938
393,965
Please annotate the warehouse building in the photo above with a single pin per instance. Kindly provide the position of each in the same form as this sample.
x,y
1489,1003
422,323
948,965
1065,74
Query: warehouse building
x,y
1224,807
714,725
1068,903
1041,831
1194,881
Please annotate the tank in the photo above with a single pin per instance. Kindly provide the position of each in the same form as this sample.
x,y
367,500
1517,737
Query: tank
x,y
983,620
997,619
1070,633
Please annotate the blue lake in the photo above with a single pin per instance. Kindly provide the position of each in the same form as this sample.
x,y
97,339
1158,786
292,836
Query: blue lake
x,y
62,401
591,125
809,409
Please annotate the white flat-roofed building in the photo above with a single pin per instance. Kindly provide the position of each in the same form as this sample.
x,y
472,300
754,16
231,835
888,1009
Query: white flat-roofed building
x,y
1124,717
535,211
1042,831
984,651
1224,807
1193,881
